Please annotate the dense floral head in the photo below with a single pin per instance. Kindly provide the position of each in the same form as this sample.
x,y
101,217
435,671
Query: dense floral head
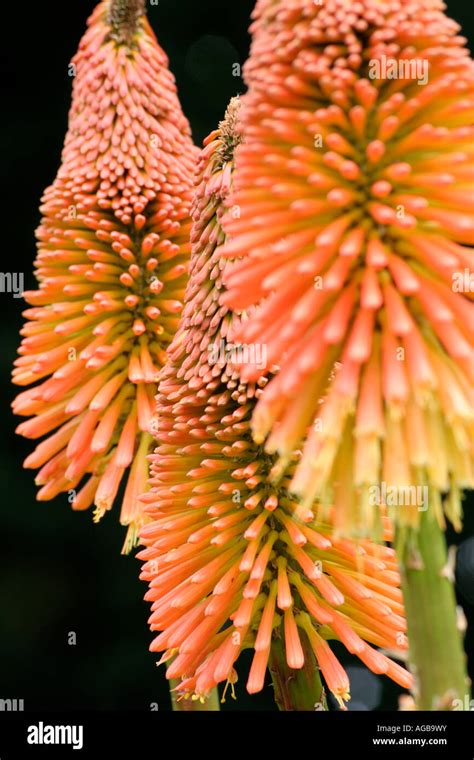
x,y
354,186
233,561
195,352
112,260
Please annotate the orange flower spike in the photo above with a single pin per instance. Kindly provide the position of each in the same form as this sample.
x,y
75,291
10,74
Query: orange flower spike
x,y
231,560
111,266
351,250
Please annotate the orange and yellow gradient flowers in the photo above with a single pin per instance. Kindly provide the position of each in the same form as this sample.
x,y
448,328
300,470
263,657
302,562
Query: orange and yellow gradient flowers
x,y
112,261
233,562
354,190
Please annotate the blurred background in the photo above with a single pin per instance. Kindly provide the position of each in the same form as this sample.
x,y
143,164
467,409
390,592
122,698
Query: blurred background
x,y
59,573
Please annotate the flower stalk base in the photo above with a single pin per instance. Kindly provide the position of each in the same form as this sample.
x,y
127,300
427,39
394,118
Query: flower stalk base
x,y
299,690
435,646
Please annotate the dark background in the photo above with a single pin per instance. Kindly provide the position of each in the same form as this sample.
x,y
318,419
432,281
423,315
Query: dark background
x,y
59,573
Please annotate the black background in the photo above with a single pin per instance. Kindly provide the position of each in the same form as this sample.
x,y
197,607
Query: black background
x,y
59,573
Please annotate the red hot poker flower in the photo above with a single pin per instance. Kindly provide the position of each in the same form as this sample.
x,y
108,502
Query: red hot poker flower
x,y
111,266
232,561
356,213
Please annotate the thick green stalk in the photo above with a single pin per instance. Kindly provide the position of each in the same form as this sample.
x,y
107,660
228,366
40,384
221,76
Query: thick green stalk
x,y
435,646
211,704
296,689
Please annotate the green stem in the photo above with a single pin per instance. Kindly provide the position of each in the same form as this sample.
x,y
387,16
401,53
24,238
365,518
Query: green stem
x,y
435,646
296,689
211,704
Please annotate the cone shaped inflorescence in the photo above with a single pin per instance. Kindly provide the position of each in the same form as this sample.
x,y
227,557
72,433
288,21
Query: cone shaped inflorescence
x,y
354,186
112,260
233,562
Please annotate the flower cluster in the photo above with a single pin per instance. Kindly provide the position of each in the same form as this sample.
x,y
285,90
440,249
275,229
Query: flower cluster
x,y
232,560
113,249
356,213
